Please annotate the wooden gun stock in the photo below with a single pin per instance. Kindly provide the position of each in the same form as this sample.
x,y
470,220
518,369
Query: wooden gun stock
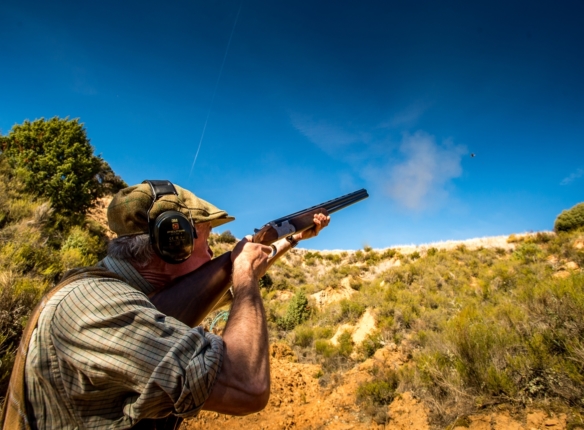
x,y
197,292
192,296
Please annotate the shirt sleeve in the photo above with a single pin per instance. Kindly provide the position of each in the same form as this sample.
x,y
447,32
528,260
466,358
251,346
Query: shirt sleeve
x,y
114,345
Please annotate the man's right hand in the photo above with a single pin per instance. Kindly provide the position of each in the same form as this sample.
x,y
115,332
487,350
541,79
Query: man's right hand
x,y
249,259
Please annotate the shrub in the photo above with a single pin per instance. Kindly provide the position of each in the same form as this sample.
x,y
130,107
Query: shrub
x,y
323,332
55,159
303,336
388,253
333,258
528,253
266,282
370,344
298,311
381,390
226,237
351,310
324,348
79,249
570,219
345,347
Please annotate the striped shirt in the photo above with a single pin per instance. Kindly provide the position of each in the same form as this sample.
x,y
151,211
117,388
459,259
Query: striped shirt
x,y
103,357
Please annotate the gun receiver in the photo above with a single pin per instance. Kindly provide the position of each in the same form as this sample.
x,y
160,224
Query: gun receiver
x,y
192,296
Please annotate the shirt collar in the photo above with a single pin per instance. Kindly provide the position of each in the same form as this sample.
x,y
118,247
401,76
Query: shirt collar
x,y
128,272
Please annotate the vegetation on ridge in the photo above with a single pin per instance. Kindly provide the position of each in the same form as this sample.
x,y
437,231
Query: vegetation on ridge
x,y
478,327
570,219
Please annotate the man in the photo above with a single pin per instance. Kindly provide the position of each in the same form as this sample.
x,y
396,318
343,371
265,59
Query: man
x,y
102,356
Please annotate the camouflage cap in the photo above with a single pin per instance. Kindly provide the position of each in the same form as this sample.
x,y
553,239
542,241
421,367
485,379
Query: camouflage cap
x,y
127,213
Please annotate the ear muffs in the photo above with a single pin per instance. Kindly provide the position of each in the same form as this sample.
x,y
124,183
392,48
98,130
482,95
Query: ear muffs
x,y
171,234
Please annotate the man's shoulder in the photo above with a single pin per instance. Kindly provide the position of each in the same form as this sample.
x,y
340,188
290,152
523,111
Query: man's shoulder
x,y
95,295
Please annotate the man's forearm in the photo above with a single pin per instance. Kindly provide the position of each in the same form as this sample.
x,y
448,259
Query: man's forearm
x,y
243,385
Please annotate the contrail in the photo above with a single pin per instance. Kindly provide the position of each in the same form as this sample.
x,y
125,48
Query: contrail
x,y
215,92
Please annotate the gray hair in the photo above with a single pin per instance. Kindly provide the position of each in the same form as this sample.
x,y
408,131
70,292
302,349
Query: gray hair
x,y
136,248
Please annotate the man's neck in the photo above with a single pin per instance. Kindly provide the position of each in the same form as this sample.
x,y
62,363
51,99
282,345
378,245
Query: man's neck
x,y
160,274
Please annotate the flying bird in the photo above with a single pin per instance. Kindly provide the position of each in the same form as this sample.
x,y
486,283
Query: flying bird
x,y
472,155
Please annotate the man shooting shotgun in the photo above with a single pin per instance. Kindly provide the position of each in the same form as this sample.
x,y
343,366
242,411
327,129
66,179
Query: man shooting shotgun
x,y
116,346
281,234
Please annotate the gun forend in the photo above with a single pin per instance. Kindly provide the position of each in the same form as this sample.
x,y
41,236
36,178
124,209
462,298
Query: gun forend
x,y
303,220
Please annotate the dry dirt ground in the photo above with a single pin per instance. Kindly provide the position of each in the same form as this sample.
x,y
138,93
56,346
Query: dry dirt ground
x,y
298,401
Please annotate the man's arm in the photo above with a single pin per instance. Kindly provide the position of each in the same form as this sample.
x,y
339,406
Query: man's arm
x,y
243,384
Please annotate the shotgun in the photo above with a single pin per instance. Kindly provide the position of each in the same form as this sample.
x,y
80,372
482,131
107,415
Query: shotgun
x,y
200,291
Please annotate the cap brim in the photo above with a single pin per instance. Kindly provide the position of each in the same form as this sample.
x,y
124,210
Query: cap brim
x,y
220,221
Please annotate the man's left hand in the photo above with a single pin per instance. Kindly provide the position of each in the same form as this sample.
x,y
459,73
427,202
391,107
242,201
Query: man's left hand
x,y
320,222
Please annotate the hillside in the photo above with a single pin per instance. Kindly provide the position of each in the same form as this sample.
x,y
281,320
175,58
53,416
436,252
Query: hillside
x,y
483,333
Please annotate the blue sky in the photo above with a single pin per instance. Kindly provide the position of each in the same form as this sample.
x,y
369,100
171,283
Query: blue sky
x,y
313,100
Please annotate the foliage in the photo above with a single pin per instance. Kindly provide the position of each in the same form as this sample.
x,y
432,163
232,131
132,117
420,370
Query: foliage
x,y
226,237
298,311
377,393
54,159
351,310
266,282
372,342
479,326
381,390
37,244
570,219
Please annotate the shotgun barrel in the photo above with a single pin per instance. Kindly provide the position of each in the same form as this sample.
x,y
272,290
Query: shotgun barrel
x,y
332,205
303,220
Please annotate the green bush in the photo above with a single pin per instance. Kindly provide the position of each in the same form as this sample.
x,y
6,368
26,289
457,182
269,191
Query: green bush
x,y
370,344
570,219
345,347
325,348
38,244
298,311
333,258
303,336
351,310
381,390
226,237
432,252
55,160
266,282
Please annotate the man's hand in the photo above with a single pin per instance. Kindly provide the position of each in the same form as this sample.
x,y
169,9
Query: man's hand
x,y
320,222
250,258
